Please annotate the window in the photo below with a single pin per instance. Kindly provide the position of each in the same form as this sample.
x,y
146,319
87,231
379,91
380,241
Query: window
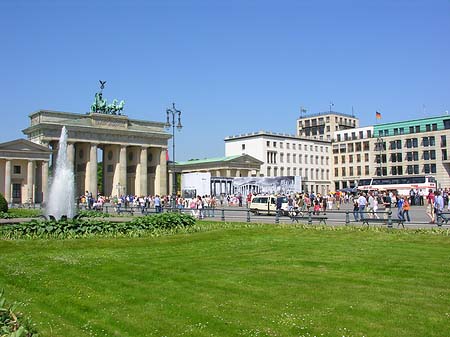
x,y
288,146
281,145
446,124
350,147
444,154
366,157
268,143
367,170
429,168
361,135
358,158
417,128
358,170
350,171
336,172
427,127
411,129
274,144
395,131
369,133
350,158
16,169
294,158
343,159
443,141
402,131
358,146
343,172
243,147
288,158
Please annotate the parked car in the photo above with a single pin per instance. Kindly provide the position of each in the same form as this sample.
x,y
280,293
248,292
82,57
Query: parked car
x,y
267,204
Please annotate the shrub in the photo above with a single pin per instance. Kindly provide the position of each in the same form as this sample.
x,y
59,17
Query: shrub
x,y
3,204
159,224
13,323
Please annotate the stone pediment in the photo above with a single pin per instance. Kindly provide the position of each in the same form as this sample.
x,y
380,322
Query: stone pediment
x,y
23,145
22,148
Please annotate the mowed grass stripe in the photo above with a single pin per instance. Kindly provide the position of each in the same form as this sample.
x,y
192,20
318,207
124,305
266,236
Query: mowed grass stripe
x,y
251,281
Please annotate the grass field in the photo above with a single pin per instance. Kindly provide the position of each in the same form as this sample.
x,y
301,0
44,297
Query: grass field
x,y
263,280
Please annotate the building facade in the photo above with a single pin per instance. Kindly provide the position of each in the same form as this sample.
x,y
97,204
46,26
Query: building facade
x,y
24,171
406,148
222,170
322,126
132,152
353,156
287,155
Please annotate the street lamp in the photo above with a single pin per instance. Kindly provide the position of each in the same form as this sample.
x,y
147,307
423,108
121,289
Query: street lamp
x,y
380,149
174,112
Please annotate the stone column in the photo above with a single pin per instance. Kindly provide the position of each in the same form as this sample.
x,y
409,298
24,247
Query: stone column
x,y
161,174
44,181
71,153
30,181
142,178
91,171
8,181
123,169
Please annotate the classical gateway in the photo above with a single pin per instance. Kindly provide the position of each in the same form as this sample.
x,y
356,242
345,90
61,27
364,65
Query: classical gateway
x,y
132,152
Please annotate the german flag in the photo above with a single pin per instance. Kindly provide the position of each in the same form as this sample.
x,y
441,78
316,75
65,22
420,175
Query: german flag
x,y
377,115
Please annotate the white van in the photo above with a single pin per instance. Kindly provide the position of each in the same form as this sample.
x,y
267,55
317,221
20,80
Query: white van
x,y
267,204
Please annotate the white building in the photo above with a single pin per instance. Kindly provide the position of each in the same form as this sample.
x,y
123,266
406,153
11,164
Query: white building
x,y
287,155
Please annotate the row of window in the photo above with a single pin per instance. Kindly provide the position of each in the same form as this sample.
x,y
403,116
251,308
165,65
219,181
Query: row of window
x,y
272,158
351,171
414,129
410,169
351,158
351,147
394,157
383,171
353,136
305,147
313,174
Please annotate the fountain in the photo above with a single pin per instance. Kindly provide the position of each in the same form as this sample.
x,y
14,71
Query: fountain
x,y
61,198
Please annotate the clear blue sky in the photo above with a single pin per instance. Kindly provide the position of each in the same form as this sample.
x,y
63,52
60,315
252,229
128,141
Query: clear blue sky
x,y
231,66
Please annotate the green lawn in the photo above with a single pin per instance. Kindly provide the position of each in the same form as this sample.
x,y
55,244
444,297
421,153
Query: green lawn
x,y
264,280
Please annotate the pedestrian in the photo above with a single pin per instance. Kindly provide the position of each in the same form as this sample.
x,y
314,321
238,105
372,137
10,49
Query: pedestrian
x,y
439,208
157,202
406,207
430,205
355,210
362,203
400,201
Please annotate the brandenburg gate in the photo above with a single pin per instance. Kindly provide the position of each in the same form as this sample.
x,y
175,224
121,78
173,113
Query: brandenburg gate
x,y
132,152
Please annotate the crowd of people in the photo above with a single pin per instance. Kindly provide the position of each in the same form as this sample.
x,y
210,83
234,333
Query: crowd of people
x,y
371,204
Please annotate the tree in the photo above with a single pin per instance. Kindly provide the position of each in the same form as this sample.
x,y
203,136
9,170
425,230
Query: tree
x,y
3,204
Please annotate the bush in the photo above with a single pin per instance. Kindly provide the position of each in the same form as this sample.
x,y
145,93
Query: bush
x,y
13,323
159,224
3,204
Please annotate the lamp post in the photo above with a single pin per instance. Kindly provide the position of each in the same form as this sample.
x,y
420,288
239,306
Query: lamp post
x,y
175,113
380,149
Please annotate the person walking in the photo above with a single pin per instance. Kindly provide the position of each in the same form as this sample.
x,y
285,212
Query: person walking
x,y
406,207
430,205
439,208
362,203
157,202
